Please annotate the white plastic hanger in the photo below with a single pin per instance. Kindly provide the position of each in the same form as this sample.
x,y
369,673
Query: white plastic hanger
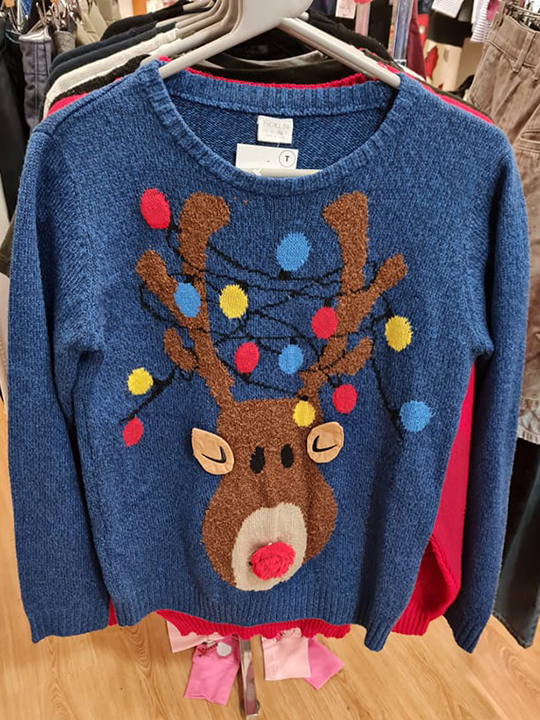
x,y
346,54
253,17
244,20
198,30
188,10
197,21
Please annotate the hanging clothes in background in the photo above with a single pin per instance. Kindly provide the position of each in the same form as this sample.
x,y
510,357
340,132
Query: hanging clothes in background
x,y
415,50
380,21
448,52
37,53
517,604
13,129
510,69
149,19
325,6
31,36
99,66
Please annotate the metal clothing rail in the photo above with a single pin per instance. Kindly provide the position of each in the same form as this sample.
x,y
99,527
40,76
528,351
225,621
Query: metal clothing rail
x,y
399,33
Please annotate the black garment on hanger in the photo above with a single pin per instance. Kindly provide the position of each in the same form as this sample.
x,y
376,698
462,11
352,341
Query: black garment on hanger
x,y
323,71
518,596
380,19
99,51
447,31
129,23
13,58
275,44
96,83
13,129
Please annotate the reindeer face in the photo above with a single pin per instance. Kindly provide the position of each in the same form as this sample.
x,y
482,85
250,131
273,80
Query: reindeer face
x,y
272,510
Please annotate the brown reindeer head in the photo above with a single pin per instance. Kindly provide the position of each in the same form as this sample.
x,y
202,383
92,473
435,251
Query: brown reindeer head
x,y
272,510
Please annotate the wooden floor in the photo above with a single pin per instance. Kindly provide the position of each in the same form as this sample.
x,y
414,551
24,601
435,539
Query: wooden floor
x,y
130,673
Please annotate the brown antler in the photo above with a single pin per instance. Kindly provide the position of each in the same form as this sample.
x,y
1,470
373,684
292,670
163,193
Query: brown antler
x,y
201,216
348,217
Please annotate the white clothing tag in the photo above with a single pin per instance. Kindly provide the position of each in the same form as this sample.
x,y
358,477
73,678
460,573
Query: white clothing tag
x,y
223,650
254,157
276,130
280,172
345,8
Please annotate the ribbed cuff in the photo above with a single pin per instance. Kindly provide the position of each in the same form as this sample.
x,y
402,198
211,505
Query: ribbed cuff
x,y
414,621
65,622
466,630
376,635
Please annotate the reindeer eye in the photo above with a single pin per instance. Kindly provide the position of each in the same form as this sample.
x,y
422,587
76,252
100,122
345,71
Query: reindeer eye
x,y
287,456
257,460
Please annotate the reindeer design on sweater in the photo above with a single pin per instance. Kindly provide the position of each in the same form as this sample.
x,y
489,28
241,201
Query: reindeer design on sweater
x,y
272,510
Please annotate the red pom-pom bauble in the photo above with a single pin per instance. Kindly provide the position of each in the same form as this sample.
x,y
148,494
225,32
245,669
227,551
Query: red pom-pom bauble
x,y
155,209
272,561
133,432
246,357
344,398
324,323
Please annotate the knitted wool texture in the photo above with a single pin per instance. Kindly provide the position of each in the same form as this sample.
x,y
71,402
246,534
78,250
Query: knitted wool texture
x,y
434,205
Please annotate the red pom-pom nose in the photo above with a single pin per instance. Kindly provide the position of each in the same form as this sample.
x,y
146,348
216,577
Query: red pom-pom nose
x,y
272,561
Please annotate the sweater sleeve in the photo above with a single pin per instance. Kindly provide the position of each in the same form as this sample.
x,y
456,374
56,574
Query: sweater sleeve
x,y
62,589
498,298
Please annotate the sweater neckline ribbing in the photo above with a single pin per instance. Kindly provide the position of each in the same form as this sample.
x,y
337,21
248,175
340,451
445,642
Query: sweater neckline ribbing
x,y
278,101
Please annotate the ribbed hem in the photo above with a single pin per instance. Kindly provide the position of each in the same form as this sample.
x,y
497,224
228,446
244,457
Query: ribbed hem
x,y
466,630
414,621
288,605
309,627
66,623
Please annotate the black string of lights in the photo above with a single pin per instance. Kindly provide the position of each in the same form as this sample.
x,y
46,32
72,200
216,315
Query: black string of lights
x,y
231,291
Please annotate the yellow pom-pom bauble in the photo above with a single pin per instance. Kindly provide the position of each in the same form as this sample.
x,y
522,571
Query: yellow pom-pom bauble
x,y
140,381
233,301
304,413
398,333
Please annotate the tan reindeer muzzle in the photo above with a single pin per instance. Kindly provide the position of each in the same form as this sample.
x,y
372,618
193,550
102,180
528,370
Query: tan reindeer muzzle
x,y
283,525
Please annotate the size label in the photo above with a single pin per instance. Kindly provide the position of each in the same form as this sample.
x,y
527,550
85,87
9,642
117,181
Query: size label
x,y
345,8
277,130
257,157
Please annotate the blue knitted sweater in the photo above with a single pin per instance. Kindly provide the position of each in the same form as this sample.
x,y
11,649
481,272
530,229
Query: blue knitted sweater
x,y
235,396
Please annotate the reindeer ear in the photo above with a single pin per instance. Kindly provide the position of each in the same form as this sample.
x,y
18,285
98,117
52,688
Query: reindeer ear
x,y
212,452
325,441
